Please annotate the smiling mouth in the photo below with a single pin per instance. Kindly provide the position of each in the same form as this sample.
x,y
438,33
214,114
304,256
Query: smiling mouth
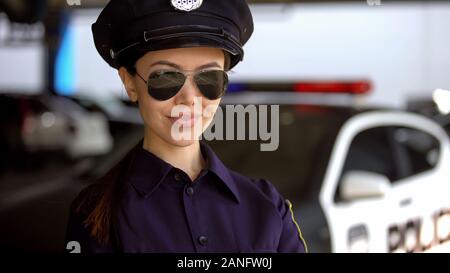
x,y
185,120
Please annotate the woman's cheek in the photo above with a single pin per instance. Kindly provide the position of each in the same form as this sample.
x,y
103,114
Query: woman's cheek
x,y
209,110
211,107
150,113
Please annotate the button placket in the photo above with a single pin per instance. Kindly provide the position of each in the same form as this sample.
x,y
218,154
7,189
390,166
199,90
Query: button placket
x,y
190,191
203,240
193,213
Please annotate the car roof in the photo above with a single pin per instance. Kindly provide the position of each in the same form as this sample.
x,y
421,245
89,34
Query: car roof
x,y
341,104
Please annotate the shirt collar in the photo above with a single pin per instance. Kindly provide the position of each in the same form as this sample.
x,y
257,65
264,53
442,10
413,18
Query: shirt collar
x,y
147,171
218,168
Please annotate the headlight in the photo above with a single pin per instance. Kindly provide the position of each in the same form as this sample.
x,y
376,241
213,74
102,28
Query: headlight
x,y
358,239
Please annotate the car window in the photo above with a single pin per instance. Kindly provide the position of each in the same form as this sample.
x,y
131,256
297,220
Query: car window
x,y
392,151
371,151
420,149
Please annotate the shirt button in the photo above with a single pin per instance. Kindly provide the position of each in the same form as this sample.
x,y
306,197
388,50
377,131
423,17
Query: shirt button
x,y
203,240
190,191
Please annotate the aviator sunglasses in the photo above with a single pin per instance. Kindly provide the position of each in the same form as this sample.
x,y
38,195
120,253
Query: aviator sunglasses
x,y
164,84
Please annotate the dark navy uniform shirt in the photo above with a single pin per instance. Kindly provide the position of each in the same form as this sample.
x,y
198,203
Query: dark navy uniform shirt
x,y
162,210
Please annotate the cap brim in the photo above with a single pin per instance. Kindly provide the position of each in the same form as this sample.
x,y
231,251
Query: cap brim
x,y
236,53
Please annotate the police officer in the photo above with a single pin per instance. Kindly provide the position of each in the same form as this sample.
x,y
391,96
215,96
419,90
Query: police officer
x,y
172,193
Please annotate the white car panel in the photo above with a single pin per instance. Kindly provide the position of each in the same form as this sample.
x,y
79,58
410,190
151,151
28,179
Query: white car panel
x,y
411,199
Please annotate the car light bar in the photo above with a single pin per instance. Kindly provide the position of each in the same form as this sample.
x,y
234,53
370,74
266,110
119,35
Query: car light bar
x,y
335,87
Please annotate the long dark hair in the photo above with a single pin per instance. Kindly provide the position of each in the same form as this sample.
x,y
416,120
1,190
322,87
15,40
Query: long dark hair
x,y
99,204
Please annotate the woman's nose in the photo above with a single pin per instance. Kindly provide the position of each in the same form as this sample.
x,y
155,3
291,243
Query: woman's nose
x,y
188,93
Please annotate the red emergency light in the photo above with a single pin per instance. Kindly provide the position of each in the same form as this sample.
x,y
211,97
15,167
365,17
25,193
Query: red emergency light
x,y
358,87
320,86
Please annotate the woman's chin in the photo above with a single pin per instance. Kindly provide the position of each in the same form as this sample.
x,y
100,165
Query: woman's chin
x,y
186,138
183,142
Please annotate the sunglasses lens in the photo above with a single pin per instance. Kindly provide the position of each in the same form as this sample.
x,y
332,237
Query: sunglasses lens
x,y
162,85
213,84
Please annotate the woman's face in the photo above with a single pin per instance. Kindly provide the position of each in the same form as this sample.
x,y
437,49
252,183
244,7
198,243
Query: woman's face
x,y
181,119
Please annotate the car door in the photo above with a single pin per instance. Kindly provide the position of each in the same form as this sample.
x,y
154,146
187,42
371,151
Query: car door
x,y
381,183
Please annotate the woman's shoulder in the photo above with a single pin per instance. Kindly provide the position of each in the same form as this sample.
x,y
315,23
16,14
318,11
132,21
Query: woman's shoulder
x,y
88,198
258,186
78,230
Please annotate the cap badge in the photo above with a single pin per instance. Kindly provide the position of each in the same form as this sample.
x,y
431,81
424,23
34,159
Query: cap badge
x,y
186,5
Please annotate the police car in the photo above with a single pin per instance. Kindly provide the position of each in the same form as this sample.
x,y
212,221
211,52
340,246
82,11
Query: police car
x,y
360,179
436,107
38,123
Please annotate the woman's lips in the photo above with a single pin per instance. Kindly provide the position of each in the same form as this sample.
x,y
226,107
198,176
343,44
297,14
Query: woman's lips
x,y
185,120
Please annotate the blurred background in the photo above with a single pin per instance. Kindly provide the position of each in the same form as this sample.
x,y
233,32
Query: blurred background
x,y
364,104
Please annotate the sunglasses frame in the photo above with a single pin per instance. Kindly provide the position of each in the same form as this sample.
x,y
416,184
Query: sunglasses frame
x,y
186,74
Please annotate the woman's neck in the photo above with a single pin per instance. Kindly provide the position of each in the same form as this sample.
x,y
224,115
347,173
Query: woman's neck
x,y
188,159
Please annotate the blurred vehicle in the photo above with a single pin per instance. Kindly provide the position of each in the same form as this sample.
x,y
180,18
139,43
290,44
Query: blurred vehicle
x,y
444,121
51,148
360,179
33,124
436,107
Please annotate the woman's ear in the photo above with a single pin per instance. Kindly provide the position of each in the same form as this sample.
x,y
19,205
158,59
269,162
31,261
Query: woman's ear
x,y
128,83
